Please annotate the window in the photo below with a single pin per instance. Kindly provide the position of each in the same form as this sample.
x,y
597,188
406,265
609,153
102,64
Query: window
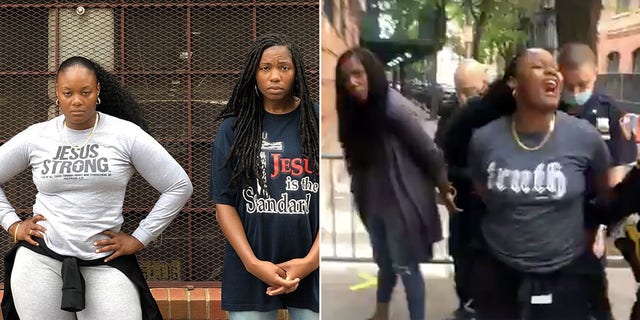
x,y
328,10
636,61
613,62
345,17
622,6
340,26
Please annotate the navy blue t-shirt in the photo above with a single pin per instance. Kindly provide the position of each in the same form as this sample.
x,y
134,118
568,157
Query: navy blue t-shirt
x,y
281,222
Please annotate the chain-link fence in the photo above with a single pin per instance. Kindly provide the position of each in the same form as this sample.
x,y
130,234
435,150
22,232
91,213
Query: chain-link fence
x,y
180,59
344,237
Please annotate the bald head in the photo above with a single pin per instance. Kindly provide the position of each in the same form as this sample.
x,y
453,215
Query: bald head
x,y
574,55
578,64
470,79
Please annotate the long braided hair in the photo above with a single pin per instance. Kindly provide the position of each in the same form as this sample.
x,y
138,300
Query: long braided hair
x,y
115,100
246,104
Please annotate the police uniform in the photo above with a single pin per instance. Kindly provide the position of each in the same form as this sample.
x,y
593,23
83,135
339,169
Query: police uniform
x,y
453,135
601,111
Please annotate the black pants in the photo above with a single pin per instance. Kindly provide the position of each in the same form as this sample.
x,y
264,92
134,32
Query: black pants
x,y
635,309
459,248
503,293
463,268
599,297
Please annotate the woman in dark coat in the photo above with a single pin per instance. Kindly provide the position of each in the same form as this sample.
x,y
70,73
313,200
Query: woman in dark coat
x,y
395,167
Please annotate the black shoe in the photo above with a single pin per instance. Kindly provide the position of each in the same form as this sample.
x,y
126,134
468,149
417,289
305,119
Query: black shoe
x,y
464,313
609,316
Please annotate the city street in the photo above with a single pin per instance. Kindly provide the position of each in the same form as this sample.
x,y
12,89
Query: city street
x,y
348,287
346,293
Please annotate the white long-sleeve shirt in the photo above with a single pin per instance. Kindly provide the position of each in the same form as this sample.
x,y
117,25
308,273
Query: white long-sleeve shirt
x,y
81,192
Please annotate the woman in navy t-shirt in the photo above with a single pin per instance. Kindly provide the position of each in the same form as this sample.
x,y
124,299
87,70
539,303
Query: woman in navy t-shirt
x,y
264,182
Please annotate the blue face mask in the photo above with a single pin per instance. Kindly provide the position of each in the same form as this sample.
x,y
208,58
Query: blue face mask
x,y
577,99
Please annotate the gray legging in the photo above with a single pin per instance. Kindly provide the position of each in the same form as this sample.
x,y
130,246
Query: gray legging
x,y
36,285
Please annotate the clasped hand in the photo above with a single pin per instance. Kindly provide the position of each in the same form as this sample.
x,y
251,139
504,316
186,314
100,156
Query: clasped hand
x,y
283,277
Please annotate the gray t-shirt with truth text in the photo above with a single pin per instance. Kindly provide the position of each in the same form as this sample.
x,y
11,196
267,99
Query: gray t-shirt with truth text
x,y
535,199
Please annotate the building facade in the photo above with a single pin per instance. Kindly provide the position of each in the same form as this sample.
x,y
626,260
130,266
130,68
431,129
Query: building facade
x,y
340,30
619,37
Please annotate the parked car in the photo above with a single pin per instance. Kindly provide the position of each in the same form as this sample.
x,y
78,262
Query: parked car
x,y
423,92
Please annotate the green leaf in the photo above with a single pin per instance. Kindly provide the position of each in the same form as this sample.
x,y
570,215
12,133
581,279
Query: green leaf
x,y
501,28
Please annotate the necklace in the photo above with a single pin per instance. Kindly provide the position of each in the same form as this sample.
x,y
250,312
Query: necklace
x,y
552,125
88,138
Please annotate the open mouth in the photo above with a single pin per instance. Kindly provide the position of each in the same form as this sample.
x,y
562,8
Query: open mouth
x,y
551,86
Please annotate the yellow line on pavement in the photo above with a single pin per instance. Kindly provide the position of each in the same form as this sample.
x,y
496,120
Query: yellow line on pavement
x,y
369,281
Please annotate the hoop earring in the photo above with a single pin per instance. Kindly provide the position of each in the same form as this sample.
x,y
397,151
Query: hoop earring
x,y
98,102
514,93
57,102
255,87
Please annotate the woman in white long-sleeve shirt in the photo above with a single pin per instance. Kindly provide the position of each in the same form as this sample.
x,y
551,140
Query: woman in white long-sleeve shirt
x,y
81,163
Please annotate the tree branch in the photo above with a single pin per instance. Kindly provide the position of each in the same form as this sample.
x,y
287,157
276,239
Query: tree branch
x,y
472,12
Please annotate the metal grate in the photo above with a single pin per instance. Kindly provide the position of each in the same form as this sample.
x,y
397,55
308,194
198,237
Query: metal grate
x,y
180,59
344,237
622,88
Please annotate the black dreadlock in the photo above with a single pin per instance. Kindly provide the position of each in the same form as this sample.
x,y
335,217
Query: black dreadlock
x,y
360,129
247,105
115,100
499,96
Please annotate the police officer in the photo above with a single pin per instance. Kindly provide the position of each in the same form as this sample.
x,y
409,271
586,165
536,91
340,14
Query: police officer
x,y
577,63
471,80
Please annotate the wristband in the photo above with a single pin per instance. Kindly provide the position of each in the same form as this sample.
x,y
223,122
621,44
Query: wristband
x,y
15,232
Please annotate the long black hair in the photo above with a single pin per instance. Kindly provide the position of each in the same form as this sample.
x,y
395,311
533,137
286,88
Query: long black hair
x,y
360,128
246,104
115,100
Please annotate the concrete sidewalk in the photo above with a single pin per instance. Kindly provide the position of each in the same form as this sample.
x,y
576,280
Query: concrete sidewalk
x,y
339,301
